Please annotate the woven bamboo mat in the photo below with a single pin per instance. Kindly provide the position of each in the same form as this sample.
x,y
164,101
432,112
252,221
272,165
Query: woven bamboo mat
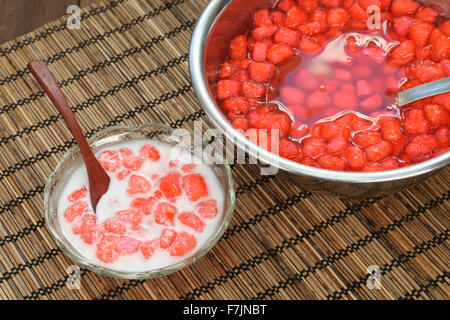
x,y
128,65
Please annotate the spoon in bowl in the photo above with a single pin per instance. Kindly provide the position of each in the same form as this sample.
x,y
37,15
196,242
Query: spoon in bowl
x,y
423,91
403,97
98,178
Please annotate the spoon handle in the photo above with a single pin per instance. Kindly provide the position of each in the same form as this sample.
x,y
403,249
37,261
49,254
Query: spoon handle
x,y
48,83
97,175
423,91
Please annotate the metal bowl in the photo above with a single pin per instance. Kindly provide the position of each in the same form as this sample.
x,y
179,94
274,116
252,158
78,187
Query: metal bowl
x,y
219,23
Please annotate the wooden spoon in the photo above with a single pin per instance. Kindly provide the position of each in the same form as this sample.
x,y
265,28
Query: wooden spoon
x,y
98,178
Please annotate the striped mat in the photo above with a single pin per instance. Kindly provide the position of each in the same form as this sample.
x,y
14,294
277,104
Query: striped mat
x,y
128,64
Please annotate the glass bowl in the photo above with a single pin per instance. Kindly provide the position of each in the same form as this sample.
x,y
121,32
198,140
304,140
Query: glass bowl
x,y
112,135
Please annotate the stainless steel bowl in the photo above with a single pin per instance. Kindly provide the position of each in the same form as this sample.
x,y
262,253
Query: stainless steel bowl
x,y
219,23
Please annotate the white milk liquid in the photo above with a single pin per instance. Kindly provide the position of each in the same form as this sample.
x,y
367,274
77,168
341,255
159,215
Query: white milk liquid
x,y
116,199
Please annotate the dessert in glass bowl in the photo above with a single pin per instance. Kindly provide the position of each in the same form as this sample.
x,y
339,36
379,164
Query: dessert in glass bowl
x,y
164,207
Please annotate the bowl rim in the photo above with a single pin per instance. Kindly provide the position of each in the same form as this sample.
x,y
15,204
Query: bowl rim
x,y
197,63
146,274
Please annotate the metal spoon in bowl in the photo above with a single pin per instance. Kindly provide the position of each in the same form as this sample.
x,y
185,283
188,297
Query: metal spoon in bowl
x,y
423,91
98,178
404,97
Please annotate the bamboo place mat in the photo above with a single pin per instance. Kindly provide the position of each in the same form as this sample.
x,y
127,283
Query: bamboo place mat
x,y
128,64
